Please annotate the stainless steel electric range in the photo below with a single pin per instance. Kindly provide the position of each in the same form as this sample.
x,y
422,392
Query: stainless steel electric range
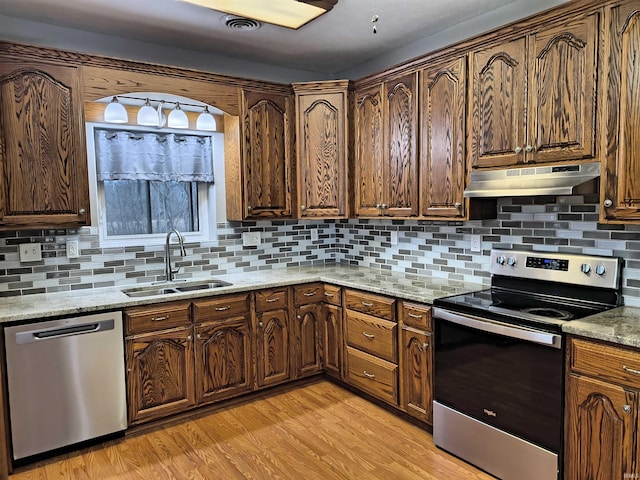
x,y
498,371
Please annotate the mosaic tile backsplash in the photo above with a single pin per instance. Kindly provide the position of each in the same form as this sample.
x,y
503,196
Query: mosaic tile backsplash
x,y
436,249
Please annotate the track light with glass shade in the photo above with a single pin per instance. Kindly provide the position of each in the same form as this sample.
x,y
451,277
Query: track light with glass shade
x,y
206,121
177,118
148,116
115,112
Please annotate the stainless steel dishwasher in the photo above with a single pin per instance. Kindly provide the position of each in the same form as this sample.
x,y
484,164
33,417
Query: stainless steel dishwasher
x,y
66,381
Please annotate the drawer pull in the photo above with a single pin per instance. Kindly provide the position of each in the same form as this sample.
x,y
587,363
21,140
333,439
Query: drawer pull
x,y
160,319
368,335
330,295
630,370
271,300
626,408
222,309
309,294
367,304
368,375
413,315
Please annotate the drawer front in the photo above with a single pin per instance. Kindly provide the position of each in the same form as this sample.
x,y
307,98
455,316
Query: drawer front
x,y
605,361
373,375
220,308
310,293
416,315
333,295
273,299
371,304
153,318
373,335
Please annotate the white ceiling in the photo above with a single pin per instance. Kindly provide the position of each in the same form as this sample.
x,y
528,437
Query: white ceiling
x,y
334,42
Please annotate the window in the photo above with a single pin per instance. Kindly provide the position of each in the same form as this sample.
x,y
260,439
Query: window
x,y
149,182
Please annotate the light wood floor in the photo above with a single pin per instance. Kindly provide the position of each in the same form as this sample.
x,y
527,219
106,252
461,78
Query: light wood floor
x,y
316,431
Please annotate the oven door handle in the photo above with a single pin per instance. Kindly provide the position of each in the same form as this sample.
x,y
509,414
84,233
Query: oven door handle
x,y
548,339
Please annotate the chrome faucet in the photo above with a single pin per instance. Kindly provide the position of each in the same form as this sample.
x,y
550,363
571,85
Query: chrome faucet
x,y
169,271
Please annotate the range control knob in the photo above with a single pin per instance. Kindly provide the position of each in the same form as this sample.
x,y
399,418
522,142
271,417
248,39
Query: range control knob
x,y
511,261
500,260
600,270
585,268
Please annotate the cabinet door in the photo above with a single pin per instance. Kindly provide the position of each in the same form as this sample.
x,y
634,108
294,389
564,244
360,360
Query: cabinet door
x,y
322,154
306,338
416,375
562,92
401,160
621,177
223,359
333,348
267,147
498,103
443,139
43,163
273,356
160,374
369,152
601,421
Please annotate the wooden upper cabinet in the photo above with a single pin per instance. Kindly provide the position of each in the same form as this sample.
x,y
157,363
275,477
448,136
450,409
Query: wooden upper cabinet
x,y
322,149
386,149
621,147
555,120
443,129
43,162
266,157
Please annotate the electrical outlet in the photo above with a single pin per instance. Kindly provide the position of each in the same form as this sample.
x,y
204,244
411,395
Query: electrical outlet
x,y
30,252
314,234
476,243
394,237
73,250
251,239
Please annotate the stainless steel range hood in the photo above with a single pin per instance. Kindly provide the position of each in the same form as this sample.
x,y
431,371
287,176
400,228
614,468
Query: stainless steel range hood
x,y
530,181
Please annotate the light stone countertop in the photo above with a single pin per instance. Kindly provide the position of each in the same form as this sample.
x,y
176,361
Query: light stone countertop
x,y
417,288
619,325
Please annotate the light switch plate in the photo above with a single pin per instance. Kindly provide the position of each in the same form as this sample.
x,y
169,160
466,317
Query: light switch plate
x,y
251,239
476,243
30,252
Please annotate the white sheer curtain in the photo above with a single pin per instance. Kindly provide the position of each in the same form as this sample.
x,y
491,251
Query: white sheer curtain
x,y
129,155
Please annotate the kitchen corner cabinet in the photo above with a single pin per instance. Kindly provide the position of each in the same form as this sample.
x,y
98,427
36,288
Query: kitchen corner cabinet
x,y
159,361
386,156
332,338
533,99
43,163
322,136
416,366
307,329
601,411
621,148
223,351
273,353
264,178
443,130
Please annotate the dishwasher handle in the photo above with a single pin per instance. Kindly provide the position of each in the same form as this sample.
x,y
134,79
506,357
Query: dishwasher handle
x,y
32,336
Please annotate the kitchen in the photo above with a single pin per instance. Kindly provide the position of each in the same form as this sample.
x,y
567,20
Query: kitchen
x,y
444,249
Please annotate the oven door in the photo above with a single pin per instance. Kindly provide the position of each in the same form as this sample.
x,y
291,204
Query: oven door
x,y
502,375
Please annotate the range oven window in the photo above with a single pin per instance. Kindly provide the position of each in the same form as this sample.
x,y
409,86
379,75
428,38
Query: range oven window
x,y
511,384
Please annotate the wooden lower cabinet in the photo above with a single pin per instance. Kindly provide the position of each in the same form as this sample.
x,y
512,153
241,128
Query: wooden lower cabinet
x,y
160,374
306,339
273,352
601,411
332,347
416,373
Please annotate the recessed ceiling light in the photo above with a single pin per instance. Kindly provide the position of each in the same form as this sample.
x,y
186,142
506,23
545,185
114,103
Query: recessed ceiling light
x,y
286,13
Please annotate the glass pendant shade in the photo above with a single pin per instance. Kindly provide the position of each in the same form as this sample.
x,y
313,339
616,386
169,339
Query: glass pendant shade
x,y
206,121
115,112
177,118
147,115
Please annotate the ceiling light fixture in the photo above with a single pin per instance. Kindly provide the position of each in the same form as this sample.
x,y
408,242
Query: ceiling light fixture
x,y
116,112
285,13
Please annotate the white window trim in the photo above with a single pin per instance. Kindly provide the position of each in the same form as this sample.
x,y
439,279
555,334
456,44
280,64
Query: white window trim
x,y
206,197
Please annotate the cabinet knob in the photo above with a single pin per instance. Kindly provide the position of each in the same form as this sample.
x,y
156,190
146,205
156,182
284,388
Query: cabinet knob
x,y
378,205
299,317
199,336
189,337
608,203
425,345
626,408
260,324
303,207
528,148
249,207
458,205
82,211
384,206
518,149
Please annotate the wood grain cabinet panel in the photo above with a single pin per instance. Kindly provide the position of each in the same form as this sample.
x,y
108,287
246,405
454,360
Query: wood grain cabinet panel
x,y
332,344
273,351
160,374
620,193
307,337
43,162
322,149
416,373
443,130
533,99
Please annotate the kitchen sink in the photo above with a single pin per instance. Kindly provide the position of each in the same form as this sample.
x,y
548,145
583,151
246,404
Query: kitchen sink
x,y
192,287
